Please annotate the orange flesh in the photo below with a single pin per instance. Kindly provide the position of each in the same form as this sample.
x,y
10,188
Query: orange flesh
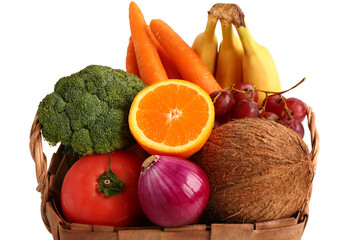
x,y
173,121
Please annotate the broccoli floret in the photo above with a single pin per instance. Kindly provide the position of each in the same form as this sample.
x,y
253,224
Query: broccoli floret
x,y
52,113
88,110
81,142
109,131
85,110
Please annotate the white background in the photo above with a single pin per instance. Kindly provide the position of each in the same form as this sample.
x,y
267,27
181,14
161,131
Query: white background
x,y
41,41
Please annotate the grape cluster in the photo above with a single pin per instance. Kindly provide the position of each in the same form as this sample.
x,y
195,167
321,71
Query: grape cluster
x,y
241,102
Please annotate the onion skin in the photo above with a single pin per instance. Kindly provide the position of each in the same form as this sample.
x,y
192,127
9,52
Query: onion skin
x,y
172,191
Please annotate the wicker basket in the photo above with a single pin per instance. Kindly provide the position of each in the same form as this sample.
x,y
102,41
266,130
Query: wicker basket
x,y
50,182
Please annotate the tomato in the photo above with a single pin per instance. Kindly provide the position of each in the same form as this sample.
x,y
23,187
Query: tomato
x,y
82,202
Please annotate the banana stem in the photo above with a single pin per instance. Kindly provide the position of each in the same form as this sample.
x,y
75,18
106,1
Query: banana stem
x,y
228,12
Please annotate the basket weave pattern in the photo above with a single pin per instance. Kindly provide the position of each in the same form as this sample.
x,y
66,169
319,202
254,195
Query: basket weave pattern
x,y
50,181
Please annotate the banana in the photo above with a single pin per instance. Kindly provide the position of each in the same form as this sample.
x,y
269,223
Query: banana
x,y
206,44
230,57
258,65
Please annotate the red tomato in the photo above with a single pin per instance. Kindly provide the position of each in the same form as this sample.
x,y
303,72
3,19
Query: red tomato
x,y
81,201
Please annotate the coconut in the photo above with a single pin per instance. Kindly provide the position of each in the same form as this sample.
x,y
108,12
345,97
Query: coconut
x,y
258,169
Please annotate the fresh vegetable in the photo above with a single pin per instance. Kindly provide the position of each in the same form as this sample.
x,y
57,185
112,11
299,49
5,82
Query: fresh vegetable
x,y
189,64
89,110
131,61
259,170
148,61
101,189
173,117
172,191
169,65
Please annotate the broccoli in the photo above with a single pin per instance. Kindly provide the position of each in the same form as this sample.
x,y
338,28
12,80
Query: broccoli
x,y
88,110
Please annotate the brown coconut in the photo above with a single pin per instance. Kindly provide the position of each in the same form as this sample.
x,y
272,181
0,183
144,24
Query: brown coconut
x,y
258,169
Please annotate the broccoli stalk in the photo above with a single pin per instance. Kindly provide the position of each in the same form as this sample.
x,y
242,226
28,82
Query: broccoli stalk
x,y
89,110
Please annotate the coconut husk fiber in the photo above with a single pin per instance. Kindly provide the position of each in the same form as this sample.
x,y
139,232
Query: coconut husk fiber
x,y
258,169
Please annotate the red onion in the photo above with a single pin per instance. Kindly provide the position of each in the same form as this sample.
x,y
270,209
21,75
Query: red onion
x,y
172,191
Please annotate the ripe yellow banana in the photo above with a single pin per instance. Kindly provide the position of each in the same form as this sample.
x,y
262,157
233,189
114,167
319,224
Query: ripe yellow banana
x,y
206,44
230,57
258,65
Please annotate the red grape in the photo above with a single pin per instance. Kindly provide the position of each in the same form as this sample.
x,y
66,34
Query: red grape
x,y
275,104
248,87
294,124
223,104
297,107
223,119
269,116
245,108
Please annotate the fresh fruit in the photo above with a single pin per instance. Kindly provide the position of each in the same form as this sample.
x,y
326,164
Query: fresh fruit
x,y
205,44
297,109
223,103
259,170
258,65
295,125
248,92
274,103
172,191
101,189
173,117
224,119
230,53
269,116
245,109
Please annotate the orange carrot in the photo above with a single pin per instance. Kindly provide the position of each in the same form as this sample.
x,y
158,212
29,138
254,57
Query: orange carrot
x,y
187,61
148,61
168,64
131,61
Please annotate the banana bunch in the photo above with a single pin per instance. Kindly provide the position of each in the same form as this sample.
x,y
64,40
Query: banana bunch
x,y
238,58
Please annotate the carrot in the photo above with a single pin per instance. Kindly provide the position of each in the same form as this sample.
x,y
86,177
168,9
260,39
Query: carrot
x,y
131,61
148,61
187,61
168,64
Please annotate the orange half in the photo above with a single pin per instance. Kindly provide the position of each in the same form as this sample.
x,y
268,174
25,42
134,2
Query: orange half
x,y
172,117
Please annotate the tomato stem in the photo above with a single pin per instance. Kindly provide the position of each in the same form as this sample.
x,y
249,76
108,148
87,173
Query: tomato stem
x,y
109,183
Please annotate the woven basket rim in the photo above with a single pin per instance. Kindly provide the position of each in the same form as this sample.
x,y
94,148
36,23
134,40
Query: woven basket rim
x,y
41,168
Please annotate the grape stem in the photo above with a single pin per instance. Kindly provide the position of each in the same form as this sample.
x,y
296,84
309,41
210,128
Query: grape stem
x,y
220,92
289,112
267,92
